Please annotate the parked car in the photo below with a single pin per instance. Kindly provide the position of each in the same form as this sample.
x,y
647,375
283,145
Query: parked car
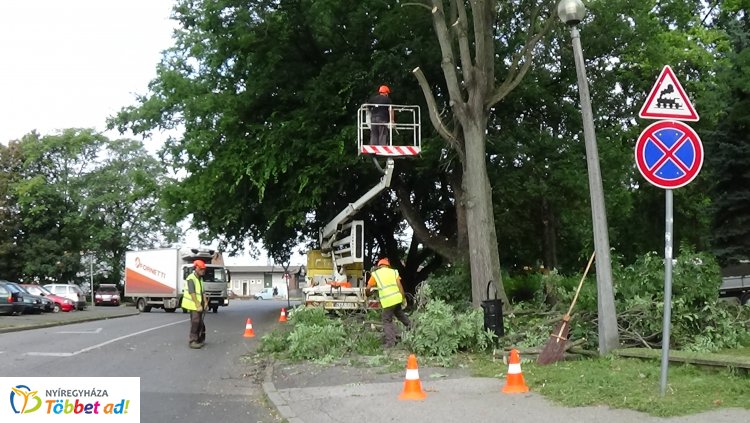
x,y
264,294
71,292
9,301
31,303
47,304
107,294
59,303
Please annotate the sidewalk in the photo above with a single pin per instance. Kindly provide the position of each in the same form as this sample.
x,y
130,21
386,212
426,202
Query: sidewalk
x,y
312,393
35,321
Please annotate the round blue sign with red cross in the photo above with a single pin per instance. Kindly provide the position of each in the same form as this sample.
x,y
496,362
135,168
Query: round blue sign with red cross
x,y
669,154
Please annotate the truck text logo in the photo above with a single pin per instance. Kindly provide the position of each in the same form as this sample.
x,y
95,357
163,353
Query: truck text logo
x,y
149,269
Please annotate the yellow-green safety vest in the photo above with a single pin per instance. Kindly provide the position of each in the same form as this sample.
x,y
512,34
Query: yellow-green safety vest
x,y
388,291
187,299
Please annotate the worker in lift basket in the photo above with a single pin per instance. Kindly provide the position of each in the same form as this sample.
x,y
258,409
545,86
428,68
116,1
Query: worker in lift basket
x,y
381,116
194,300
391,294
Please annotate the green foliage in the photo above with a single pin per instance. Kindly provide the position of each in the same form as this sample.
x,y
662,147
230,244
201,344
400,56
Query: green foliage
x,y
318,342
319,336
309,316
77,196
273,342
452,286
440,331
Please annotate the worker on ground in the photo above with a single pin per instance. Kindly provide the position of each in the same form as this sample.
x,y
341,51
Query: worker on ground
x,y
194,300
381,117
391,294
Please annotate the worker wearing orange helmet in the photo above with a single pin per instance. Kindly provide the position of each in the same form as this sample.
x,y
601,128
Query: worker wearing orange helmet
x,y
381,117
194,300
391,294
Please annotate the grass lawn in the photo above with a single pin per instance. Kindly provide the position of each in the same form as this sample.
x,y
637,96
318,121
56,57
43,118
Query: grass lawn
x,y
631,383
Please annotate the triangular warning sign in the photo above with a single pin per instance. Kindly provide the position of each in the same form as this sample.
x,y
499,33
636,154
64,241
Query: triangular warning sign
x,y
667,100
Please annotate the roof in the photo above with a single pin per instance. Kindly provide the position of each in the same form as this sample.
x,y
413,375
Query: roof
x,y
262,269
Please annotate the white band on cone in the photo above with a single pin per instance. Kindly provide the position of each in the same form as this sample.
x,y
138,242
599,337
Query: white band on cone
x,y
412,374
514,369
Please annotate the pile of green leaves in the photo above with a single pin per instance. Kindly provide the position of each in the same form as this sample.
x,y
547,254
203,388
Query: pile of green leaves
x,y
440,331
699,322
315,336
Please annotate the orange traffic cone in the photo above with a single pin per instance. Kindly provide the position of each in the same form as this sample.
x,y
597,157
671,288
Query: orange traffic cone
x,y
282,317
249,332
514,381
412,385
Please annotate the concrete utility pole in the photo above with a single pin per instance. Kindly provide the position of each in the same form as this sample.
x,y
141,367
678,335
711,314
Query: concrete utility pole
x,y
571,12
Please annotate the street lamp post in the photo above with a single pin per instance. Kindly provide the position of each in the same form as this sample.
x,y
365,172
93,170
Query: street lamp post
x,y
571,12
91,278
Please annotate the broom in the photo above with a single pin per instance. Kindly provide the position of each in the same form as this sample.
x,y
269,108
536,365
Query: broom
x,y
555,347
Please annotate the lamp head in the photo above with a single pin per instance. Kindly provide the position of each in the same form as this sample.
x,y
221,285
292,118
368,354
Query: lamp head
x,y
571,12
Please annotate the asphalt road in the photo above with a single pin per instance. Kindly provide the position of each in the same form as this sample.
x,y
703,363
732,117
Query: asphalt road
x,y
225,385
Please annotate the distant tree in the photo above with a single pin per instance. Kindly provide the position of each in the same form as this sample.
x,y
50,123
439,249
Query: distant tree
x,y
729,153
77,195
10,220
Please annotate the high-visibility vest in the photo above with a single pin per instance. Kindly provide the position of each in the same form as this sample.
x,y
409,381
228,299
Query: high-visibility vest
x,y
187,299
388,291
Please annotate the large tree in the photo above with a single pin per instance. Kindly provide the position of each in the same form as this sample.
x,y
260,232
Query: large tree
x,y
267,93
477,43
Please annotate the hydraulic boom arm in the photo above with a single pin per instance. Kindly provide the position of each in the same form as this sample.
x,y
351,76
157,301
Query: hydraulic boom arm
x,y
328,232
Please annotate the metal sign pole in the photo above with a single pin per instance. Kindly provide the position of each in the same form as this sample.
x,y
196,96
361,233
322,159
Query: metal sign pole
x,y
667,291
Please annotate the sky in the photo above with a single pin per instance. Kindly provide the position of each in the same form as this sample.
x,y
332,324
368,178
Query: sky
x,y
74,63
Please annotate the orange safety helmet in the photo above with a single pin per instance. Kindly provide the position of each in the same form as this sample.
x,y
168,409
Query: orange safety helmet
x,y
384,89
199,264
384,262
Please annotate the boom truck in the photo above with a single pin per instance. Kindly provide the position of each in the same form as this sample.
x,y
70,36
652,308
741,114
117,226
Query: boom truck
x,y
335,272
154,278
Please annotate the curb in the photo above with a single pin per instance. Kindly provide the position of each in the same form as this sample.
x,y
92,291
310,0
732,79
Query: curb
x,y
53,324
280,403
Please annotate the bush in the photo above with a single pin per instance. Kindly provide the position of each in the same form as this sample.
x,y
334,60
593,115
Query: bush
x,y
452,287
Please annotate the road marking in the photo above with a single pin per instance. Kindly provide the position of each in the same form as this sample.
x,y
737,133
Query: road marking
x,y
85,331
93,347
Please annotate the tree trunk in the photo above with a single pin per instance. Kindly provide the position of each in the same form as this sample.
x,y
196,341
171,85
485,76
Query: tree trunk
x,y
484,258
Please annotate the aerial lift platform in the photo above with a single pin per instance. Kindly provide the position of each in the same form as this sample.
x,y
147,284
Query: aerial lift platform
x,y
335,272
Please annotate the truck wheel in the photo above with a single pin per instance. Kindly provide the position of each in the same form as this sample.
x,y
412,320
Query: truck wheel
x,y
215,309
745,300
141,305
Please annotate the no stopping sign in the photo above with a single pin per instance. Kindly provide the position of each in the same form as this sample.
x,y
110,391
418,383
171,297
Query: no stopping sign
x,y
669,154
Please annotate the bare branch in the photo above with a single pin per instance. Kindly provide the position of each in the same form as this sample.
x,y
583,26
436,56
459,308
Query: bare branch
x,y
432,109
448,62
484,54
417,4
439,244
516,74
460,30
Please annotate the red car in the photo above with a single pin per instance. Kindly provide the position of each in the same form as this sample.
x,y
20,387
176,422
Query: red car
x,y
61,303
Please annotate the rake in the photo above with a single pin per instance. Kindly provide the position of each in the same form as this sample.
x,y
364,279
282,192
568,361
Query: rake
x,y
555,347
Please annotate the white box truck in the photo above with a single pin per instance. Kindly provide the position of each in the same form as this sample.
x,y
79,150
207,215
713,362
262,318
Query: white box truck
x,y
154,278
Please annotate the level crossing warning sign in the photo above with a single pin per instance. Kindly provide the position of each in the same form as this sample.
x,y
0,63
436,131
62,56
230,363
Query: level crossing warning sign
x,y
667,100
669,154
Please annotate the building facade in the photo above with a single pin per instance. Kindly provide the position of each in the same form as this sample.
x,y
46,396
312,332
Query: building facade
x,y
248,280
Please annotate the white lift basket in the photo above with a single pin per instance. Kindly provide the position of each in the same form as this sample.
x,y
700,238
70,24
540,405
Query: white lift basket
x,y
404,138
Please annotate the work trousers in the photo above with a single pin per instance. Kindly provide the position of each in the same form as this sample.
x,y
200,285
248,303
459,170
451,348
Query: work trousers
x,y
379,133
388,328
197,327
